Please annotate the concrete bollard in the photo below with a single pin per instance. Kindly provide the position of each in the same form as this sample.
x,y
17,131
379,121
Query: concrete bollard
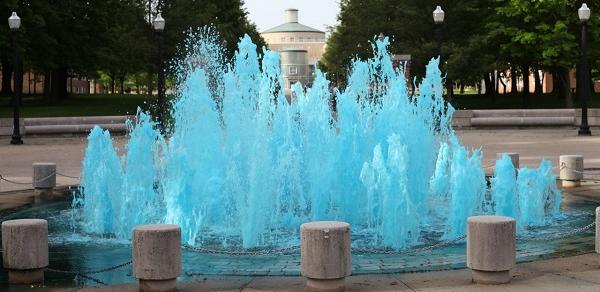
x,y
25,250
325,255
44,178
571,170
157,256
597,229
514,157
491,248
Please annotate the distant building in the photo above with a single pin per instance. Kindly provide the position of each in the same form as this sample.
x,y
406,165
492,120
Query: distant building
x,y
300,47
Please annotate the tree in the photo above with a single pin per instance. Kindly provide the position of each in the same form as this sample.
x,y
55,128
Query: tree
x,y
541,35
410,25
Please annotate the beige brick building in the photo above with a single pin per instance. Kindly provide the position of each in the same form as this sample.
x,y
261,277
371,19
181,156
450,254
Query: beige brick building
x,y
300,47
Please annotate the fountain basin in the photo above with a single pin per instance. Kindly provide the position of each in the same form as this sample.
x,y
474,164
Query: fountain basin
x,y
72,251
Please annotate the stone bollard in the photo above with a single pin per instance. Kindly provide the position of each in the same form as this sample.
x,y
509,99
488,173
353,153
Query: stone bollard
x,y
157,256
514,157
325,255
491,248
25,250
44,178
597,229
571,170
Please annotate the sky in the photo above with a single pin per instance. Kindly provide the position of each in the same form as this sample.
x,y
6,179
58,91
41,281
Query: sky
x,y
315,13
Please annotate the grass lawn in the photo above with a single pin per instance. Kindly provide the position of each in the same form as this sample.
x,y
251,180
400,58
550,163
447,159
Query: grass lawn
x,y
76,105
509,101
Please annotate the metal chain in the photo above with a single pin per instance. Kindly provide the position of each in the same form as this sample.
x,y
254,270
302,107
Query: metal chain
x,y
27,183
285,250
558,236
37,181
564,166
410,250
69,176
91,272
14,182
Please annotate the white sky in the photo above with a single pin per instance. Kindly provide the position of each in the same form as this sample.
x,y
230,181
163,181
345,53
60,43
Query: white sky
x,y
315,13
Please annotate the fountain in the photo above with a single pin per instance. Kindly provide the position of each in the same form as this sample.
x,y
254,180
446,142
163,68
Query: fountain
x,y
243,167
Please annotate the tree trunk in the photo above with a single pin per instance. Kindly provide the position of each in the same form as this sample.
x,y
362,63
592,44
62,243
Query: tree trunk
x,y
47,86
7,71
449,89
526,93
112,85
513,81
122,81
538,82
564,86
556,83
503,84
462,88
71,85
58,85
35,78
29,83
488,84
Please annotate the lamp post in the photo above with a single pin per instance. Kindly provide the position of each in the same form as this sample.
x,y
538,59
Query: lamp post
x,y
583,74
159,27
14,23
438,19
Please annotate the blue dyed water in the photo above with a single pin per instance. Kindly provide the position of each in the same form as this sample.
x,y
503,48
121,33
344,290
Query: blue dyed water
x,y
245,167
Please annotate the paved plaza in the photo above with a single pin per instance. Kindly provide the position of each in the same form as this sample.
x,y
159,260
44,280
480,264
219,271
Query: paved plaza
x,y
576,273
579,273
532,144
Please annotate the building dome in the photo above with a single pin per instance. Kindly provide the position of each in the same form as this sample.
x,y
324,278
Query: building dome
x,y
300,48
291,24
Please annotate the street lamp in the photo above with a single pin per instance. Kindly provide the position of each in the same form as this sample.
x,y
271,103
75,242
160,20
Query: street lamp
x,y
438,19
583,74
159,27
14,23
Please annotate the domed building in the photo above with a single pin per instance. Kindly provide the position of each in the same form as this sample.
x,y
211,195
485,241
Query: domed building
x,y
300,47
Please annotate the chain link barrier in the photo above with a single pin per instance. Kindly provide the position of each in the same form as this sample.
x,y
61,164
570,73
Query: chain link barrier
x,y
90,272
557,236
68,176
37,181
366,250
410,250
279,251
87,274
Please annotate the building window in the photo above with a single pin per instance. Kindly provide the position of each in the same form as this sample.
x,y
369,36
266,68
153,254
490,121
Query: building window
x,y
291,40
308,40
293,70
300,39
282,40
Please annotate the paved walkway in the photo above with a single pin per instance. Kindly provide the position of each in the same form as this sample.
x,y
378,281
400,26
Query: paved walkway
x,y
579,273
532,144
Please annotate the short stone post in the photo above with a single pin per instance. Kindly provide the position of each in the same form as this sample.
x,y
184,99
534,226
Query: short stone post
x,y
571,170
325,255
157,256
597,229
44,178
514,157
25,250
491,248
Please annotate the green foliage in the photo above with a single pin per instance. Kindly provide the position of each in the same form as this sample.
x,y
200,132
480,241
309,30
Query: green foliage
x,y
478,36
112,38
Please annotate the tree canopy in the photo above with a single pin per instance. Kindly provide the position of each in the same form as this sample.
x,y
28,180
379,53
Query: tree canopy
x,y
109,38
480,39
